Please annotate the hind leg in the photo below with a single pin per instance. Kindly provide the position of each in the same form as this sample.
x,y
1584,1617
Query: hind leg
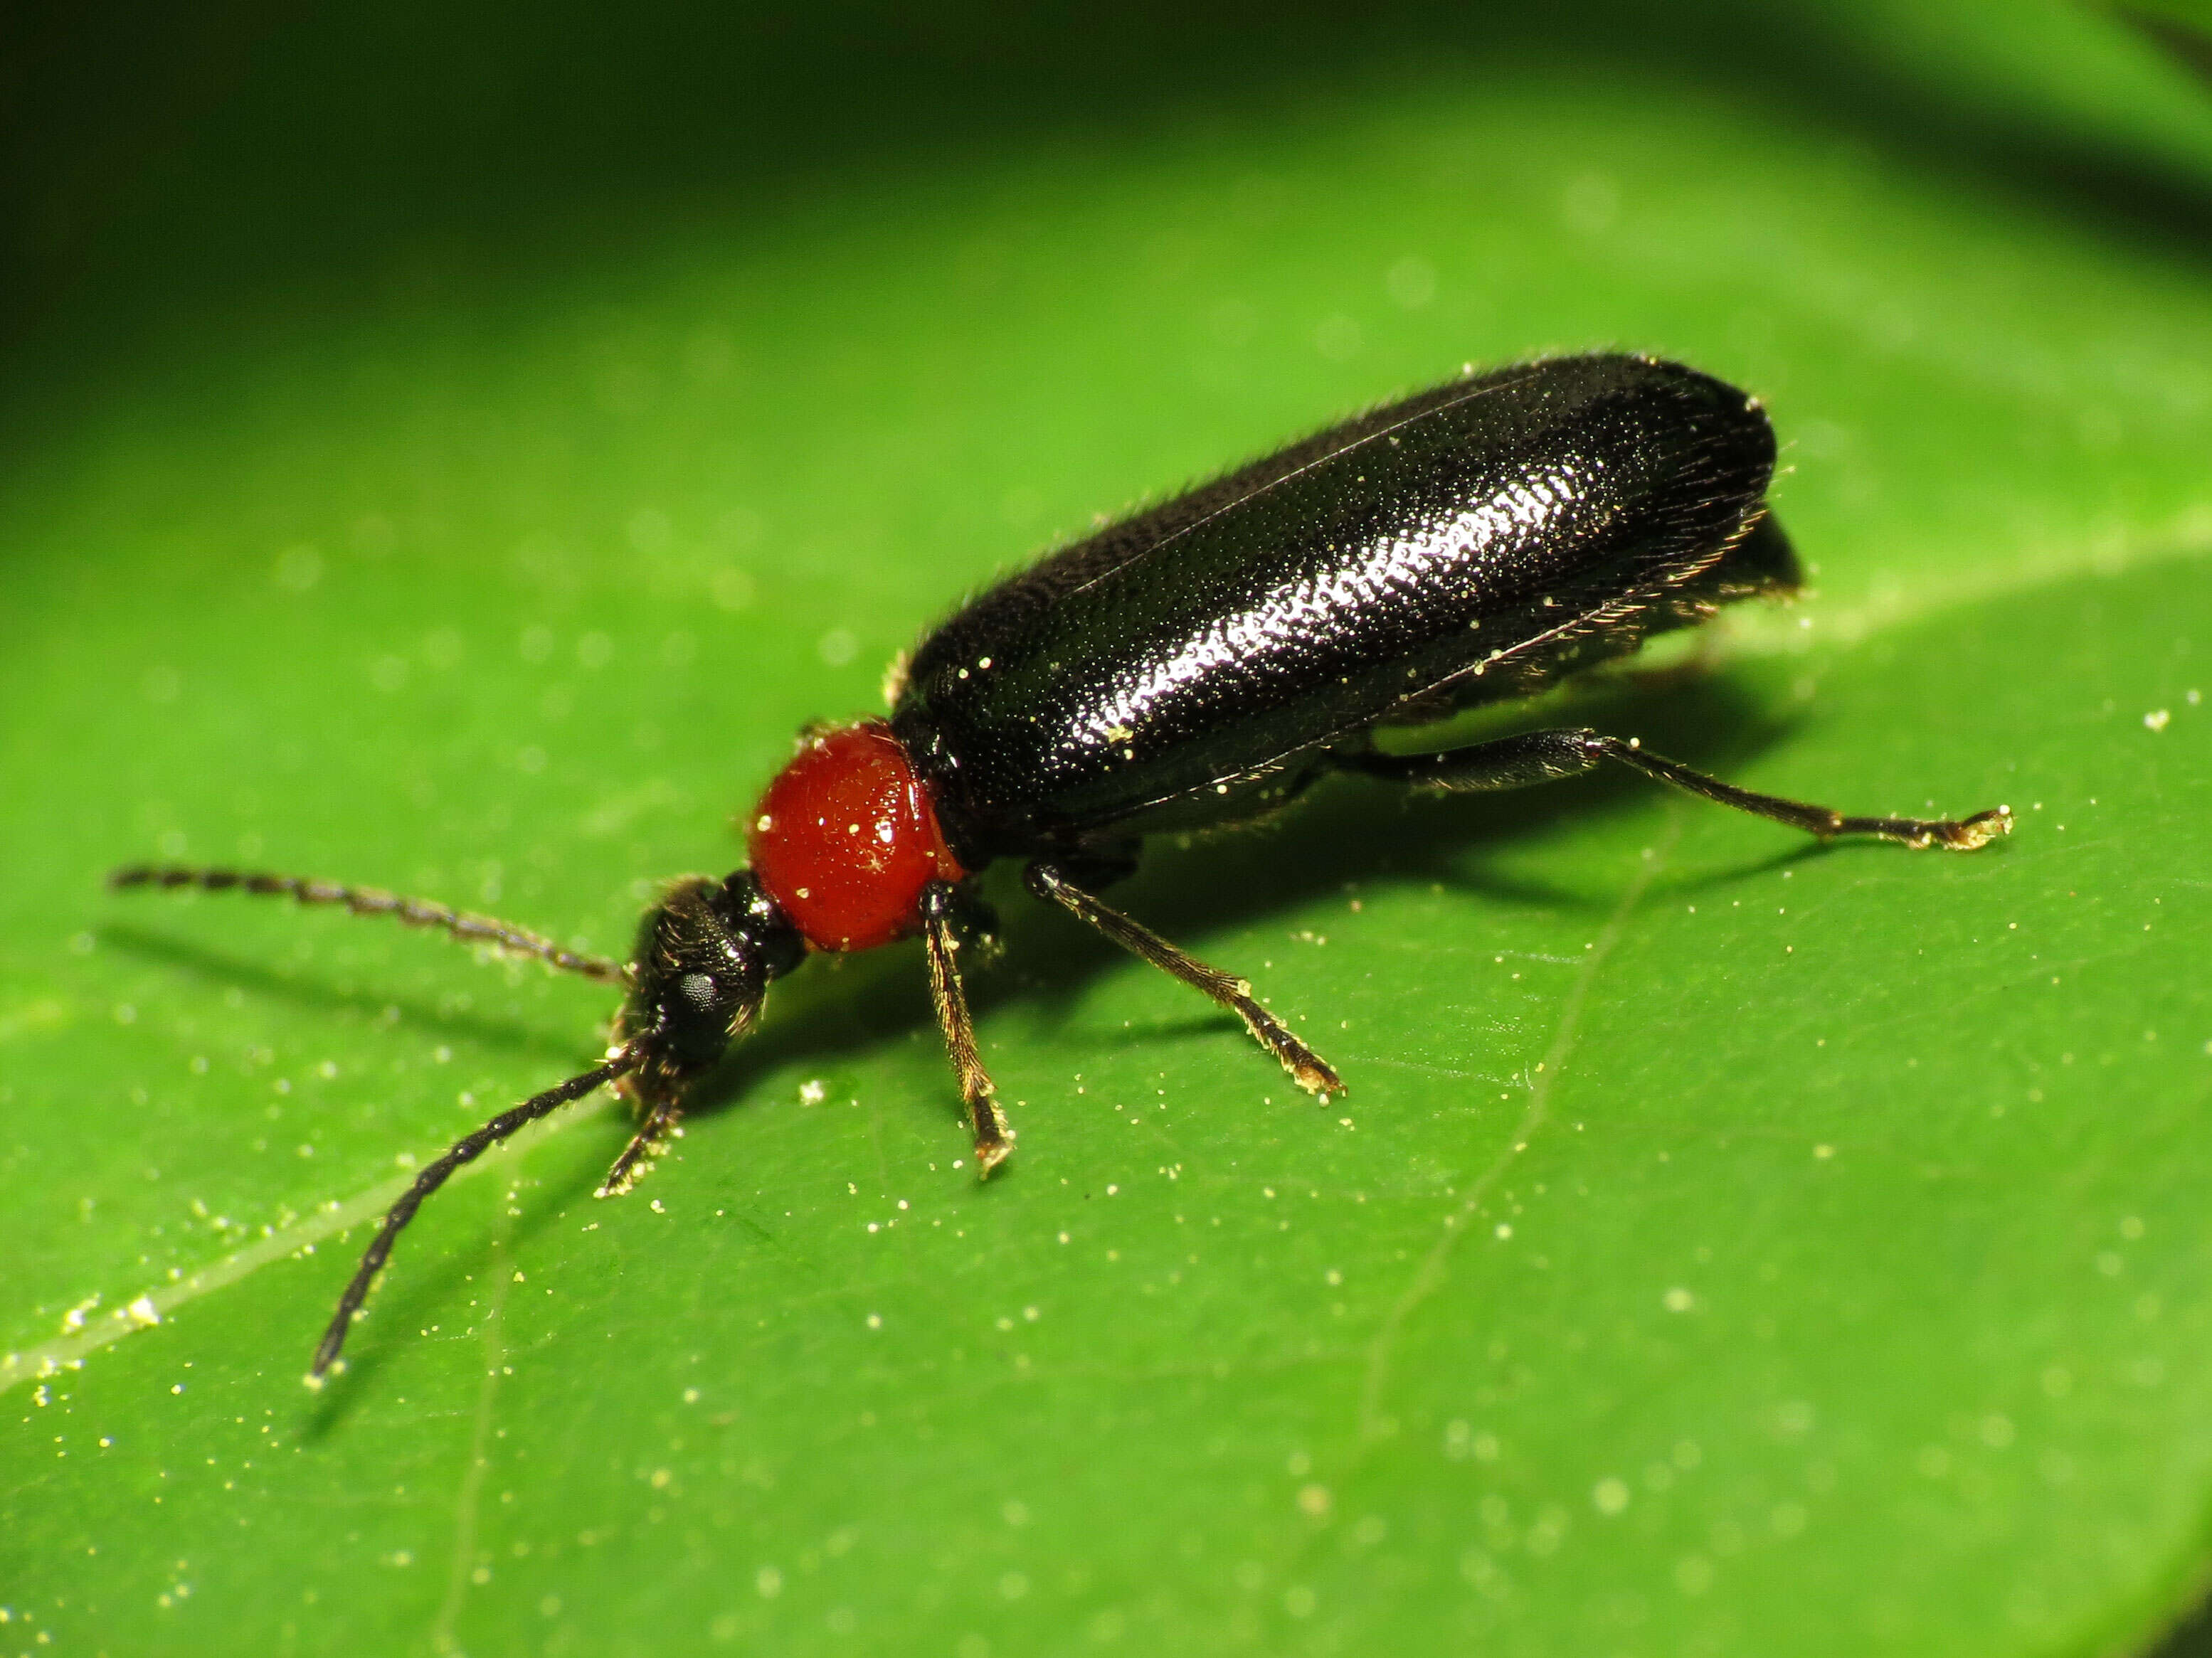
x,y
1512,762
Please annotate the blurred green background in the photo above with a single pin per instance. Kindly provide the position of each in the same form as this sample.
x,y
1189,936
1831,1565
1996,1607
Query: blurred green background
x,y
455,447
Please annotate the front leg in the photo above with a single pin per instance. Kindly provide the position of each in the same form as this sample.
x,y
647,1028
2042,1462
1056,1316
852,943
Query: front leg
x,y
942,913
660,1119
1310,1071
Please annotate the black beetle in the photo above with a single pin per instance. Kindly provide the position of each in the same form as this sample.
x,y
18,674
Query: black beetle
x,y
1193,667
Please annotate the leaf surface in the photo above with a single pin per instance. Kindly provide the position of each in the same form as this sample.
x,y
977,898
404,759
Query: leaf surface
x,y
1727,1245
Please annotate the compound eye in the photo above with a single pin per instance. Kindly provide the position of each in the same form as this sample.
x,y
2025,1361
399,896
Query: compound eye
x,y
700,990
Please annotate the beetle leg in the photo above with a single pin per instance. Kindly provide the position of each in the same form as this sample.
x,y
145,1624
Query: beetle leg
x,y
1311,1071
1508,762
1513,762
662,1122
940,910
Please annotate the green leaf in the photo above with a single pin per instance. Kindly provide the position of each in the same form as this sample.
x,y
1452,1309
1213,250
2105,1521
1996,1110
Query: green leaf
x,y
2182,26
1727,1245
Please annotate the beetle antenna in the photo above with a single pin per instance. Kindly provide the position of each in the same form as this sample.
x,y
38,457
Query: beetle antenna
x,y
374,901
464,1150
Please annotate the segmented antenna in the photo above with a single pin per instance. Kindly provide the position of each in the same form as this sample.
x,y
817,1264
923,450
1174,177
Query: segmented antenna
x,y
466,1150
374,901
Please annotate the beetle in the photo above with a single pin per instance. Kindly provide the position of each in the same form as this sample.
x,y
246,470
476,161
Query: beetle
x,y
1194,666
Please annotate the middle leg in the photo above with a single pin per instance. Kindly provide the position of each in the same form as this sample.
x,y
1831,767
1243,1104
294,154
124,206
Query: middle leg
x,y
1307,1068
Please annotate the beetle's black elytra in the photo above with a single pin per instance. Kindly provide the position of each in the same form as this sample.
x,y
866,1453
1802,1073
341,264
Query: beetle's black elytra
x,y
1193,667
